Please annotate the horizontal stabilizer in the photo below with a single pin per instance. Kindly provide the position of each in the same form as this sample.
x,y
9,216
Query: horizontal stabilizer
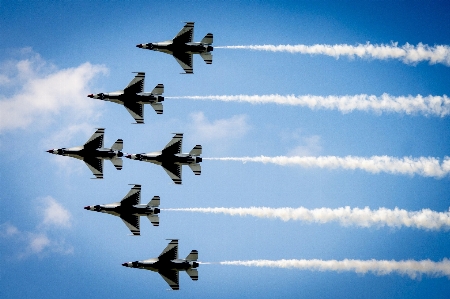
x,y
158,107
193,273
196,151
193,256
154,219
158,90
196,168
207,57
208,39
117,162
118,145
154,202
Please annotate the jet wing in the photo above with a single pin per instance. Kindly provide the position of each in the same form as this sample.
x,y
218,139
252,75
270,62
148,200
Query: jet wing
x,y
171,277
132,222
136,110
174,171
136,85
185,60
96,166
96,140
185,35
133,197
170,252
174,146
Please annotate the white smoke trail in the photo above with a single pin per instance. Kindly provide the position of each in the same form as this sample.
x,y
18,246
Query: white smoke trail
x,y
424,219
424,166
407,53
412,268
428,105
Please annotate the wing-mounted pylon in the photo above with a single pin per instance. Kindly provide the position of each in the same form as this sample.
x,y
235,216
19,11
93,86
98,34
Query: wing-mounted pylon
x,y
171,251
136,85
185,35
96,140
133,196
174,146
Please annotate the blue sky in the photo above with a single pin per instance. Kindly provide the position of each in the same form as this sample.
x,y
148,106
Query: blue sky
x,y
54,54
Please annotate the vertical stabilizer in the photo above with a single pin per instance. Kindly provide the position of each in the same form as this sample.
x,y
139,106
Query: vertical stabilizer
x,y
154,202
208,39
193,256
196,151
118,145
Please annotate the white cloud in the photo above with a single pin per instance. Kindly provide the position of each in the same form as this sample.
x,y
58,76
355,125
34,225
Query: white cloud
x,y
54,213
38,241
222,129
43,92
8,230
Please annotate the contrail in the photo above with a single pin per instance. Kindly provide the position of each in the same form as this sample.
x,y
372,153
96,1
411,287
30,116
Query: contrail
x,y
426,105
346,216
423,166
412,268
407,53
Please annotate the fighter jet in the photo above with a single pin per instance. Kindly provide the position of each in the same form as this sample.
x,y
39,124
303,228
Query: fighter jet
x,y
171,158
129,209
182,47
93,153
133,97
168,264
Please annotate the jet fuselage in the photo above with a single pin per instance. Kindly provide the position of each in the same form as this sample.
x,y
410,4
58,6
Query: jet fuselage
x,y
82,152
157,265
118,209
159,158
170,47
120,97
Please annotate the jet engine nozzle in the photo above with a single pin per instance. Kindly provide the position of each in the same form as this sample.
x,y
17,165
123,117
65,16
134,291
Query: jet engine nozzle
x,y
195,265
209,48
198,159
156,211
160,99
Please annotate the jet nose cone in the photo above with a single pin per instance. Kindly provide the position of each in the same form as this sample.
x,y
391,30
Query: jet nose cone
x,y
87,207
49,151
125,264
90,96
139,45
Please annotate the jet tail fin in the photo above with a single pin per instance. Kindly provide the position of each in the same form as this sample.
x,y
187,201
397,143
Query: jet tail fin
x,y
208,39
118,145
117,162
158,90
207,57
193,273
158,107
196,168
193,256
154,219
196,151
154,202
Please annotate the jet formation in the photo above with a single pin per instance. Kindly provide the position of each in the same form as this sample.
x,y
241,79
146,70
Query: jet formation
x,y
181,47
171,158
129,209
168,265
93,153
133,97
